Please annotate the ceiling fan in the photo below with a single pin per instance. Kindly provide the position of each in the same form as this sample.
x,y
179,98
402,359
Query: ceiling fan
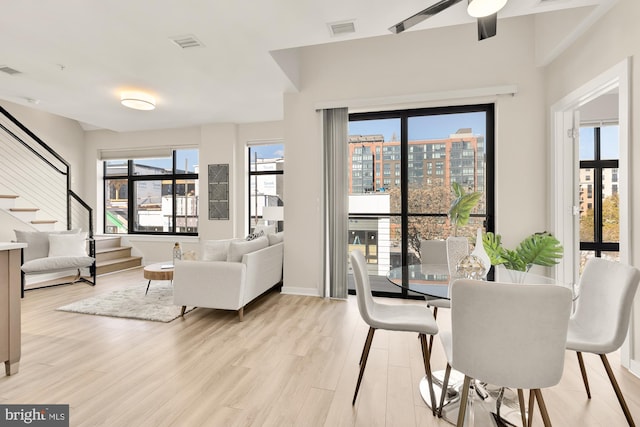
x,y
486,12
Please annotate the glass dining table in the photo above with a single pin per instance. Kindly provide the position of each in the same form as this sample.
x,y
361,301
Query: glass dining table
x,y
492,405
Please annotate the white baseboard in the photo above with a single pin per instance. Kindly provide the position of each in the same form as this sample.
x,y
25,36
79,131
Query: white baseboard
x,y
288,290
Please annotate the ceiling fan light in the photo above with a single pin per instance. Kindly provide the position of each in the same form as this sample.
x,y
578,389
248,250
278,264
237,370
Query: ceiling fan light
x,y
482,8
138,101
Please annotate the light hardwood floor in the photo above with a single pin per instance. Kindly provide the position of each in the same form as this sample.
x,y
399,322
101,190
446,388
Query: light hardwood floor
x,y
292,362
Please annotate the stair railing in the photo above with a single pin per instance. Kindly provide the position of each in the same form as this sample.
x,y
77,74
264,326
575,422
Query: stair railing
x,y
24,155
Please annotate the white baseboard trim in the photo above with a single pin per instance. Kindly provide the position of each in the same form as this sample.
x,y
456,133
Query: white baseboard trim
x,y
309,292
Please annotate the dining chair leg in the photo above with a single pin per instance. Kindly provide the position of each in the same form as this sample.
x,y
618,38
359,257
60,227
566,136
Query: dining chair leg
x,y
443,392
463,401
363,364
435,316
616,388
584,373
523,411
426,356
369,337
543,408
532,404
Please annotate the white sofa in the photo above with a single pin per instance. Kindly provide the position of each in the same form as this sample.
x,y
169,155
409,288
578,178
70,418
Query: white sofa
x,y
230,275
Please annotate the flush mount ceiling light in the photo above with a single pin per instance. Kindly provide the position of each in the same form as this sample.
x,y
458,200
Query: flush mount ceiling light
x,y
482,8
138,100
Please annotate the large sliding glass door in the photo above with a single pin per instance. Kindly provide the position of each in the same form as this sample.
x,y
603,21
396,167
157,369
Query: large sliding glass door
x,y
401,168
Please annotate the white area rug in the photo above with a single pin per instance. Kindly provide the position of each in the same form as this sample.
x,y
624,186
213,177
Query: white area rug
x,y
132,303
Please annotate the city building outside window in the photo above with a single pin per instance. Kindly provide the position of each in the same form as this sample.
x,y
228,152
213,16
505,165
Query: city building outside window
x,y
599,198
152,196
266,183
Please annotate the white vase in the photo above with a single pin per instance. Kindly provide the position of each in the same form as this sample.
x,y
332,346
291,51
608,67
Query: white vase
x,y
479,252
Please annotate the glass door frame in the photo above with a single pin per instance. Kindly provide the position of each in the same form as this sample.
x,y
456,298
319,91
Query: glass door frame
x,y
489,165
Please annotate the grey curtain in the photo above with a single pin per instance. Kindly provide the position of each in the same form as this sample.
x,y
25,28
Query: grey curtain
x,y
336,201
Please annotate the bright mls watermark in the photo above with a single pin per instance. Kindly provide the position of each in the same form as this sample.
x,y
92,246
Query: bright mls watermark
x,y
34,415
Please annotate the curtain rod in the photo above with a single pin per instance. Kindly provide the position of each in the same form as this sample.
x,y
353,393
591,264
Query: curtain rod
x,y
419,97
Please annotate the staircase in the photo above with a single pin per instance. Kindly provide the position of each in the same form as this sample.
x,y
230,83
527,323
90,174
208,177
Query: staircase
x,y
111,256
27,215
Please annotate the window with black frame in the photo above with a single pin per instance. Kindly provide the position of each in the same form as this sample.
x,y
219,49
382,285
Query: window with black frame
x,y
402,165
599,193
266,185
152,195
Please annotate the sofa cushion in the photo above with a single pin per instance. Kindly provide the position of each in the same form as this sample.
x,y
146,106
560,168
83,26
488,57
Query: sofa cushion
x,y
59,263
275,238
68,245
37,242
238,248
215,250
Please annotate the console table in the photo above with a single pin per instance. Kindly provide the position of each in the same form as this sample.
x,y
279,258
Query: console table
x,y
10,261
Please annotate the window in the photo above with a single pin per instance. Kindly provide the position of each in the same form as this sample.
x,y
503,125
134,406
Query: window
x,y
416,193
266,181
599,198
152,196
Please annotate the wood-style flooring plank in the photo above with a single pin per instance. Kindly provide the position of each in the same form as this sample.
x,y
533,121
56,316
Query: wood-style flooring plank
x,y
292,362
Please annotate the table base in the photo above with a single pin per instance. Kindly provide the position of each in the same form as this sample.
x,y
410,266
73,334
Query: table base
x,y
483,407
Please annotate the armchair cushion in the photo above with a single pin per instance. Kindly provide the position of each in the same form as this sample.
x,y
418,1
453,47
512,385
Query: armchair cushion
x,y
38,242
68,245
58,263
238,248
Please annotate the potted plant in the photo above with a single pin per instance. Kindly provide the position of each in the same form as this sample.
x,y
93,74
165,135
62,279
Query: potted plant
x,y
536,249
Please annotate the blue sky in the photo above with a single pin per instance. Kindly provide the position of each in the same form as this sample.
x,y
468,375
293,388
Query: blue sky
x,y
423,127
608,143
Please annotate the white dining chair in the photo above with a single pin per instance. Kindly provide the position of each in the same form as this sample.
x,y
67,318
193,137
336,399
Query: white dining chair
x,y
455,248
433,251
508,335
403,317
601,320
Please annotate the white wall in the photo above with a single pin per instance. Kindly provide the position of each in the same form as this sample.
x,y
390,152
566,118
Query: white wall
x,y
613,38
419,62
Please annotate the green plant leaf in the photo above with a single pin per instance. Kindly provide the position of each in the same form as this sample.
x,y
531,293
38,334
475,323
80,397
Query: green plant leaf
x,y
540,249
493,247
461,207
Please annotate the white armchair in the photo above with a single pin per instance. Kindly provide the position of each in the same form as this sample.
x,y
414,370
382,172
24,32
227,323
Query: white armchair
x,y
228,285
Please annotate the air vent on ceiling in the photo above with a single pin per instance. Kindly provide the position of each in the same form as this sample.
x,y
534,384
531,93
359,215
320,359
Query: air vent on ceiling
x,y
9,70
187,41
342,27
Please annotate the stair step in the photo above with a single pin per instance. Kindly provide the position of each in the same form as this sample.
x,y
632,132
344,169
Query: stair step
x,y
104,254
7,200
24,209
105,242
112,265
44,221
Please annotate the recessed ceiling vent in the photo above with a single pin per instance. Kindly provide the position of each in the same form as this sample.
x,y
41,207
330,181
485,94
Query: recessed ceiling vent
x,y
186,42
9,70
341,28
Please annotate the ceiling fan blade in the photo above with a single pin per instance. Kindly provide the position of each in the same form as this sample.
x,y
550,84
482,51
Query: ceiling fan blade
x,y
422,15
487,26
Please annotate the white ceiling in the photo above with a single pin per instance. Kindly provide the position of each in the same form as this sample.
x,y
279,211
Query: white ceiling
x,y
76,56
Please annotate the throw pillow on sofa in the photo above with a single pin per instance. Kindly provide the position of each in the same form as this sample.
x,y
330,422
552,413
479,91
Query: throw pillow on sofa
x,y
215,250
276,238
238,248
